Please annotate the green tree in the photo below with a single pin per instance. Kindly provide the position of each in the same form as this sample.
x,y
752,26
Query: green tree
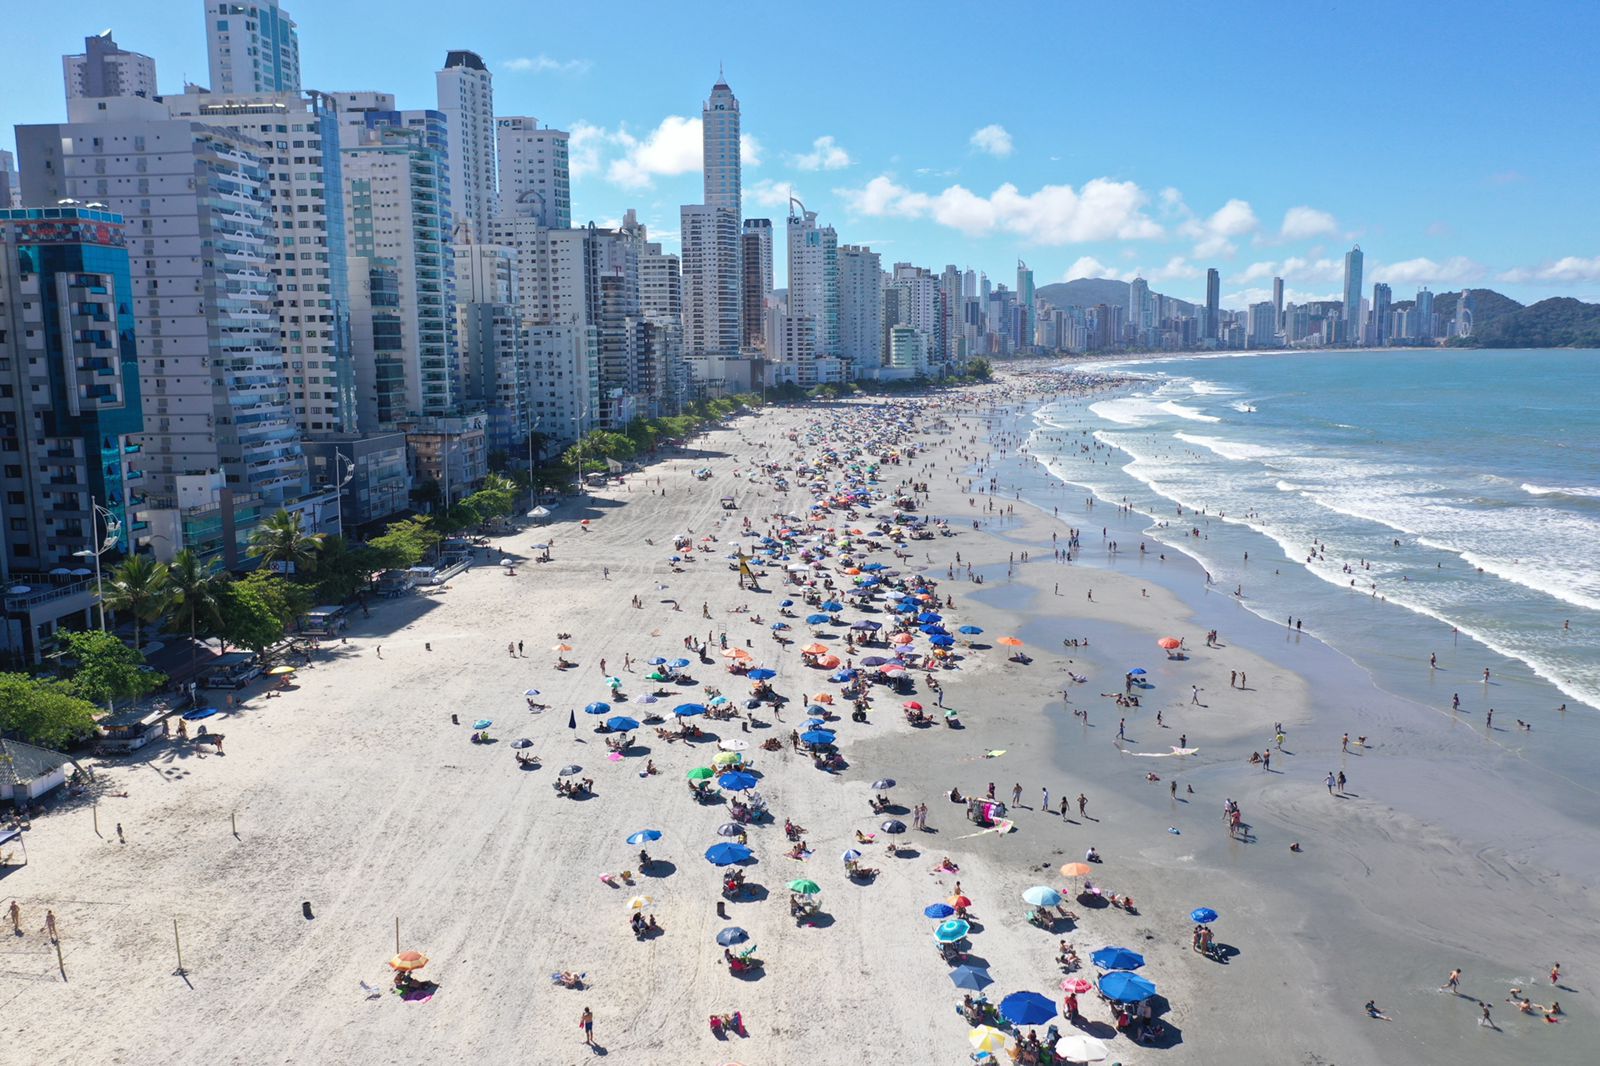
x,y
281,541
195,586
343,571
139,587
43,711
107,669
288,600
407,542
246,619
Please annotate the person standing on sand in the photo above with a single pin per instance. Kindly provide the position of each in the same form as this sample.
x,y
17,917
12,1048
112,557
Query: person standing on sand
x,y
1083,804
1330,782
50,926
586,1023
16,918
1063,808
1016,794
1122,729
1555,971
1453,984
1241,679
1341,781
1233,679
1345,743
1044,802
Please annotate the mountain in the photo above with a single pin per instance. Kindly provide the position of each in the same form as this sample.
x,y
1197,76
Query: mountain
x,y
1487,306
1084,292
1561,322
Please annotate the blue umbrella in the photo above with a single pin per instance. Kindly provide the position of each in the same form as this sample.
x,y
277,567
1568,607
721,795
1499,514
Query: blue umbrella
x,y
1203,915
1125,987
934,630
779,626
817,736
842,676
874,660
812,723
971,631
817,619
930,616
658,661
621,723
737,781
726,854
970,977
1027,1008
950,931
786,603
686,710
597,708
762,674
832,605
732,935
1137,671
873,567
867,626
484,723
1117,959
679,664
939,910
644,836
943,640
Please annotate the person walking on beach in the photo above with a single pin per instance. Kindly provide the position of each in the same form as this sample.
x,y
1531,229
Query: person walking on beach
x,y
120,838
1044,802
1330,782
1555,971
1485,1019
1194,694
1241,680
1063,808
1233,679
1455,701
1345,743
1122,729
1266,761
1016,794
50,926
586,1023
1341,782
1453,984
16,918
1083,804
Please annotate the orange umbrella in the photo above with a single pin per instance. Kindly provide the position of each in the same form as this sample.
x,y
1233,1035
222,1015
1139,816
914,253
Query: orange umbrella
x,y
1169,643
409,960
902,638
739,653
826,697
912,705
562,647
852,570
1077,869
959,901
815,649
1010,642
828,662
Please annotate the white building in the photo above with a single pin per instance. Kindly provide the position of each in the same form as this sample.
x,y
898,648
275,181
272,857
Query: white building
x,y
719,129
253,47
103,69
814,276
908,350
535,174
220,446
860,307
466,99
918,302
1262,325
300,138
711,280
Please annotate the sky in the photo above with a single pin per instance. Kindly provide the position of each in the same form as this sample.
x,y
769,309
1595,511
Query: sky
x,y
1455,143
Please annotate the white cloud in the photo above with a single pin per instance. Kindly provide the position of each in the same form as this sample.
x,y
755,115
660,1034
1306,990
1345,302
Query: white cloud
x,y
1087,266
1300,223
1425,271
1238,301
543,64
1174,269
1213,235
769,193
673,147
825,154
992,139
1294,268
749,149
1569,268
1102,209
583,148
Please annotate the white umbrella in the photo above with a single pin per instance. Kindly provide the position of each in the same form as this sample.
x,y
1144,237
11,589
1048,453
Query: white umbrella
x,y
733,745
1080,1047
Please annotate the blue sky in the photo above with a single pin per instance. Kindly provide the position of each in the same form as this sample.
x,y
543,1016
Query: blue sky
x,y
1456,143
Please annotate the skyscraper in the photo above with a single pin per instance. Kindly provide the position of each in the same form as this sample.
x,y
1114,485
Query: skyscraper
x,y
814,276
103,69
712,276
1382,297
1025,301
1213,300
253,47
756,253
1139,304
535,173
1422,314
1277,301
1352,296
860,307
719,126
466,99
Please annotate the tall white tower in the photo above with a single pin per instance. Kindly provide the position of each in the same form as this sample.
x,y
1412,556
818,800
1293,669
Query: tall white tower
x,y
254,47
720,141
466,97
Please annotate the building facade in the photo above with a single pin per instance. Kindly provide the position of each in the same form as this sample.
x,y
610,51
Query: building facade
x,y
103,69
860,307
466,99
535,171
756,256
253,47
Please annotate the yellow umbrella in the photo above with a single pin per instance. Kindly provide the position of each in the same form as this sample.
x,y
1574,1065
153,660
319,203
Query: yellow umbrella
x,y
988,1038
409,960
639,903
726,758
279,671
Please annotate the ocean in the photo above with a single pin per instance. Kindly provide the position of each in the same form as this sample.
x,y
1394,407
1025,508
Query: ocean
x,y
1400,503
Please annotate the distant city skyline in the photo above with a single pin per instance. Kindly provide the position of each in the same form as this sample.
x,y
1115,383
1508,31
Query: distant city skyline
x,y
1026,173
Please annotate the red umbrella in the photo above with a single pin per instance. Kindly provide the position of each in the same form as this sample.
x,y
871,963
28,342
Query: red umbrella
x,y
1169,643
912,705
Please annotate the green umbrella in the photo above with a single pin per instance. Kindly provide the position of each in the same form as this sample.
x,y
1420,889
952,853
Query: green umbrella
x,y
702,773
804,887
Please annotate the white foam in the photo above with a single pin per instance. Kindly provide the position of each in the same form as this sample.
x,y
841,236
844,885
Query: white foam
x,y
1172,407
1211,388
1575,490
1232,450
1126,410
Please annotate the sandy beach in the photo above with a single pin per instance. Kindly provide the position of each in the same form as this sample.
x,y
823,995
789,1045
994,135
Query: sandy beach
x,y
355,793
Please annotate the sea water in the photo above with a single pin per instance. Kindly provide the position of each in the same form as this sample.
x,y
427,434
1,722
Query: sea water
x,y
1395,501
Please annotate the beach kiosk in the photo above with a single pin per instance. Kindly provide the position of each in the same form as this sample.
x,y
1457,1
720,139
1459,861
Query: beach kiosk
x,y
233,670
132,727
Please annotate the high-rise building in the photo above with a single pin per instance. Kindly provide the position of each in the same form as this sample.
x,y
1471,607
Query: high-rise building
x,y
535,172
10,190
860,308
917,305
1277,300
1422,314
1213,301
1139,312
1352,296
814,276
220,447
494,352
712,280
1025,301
756,256
1382,297
1261,329
103,69
396,191
299,134
660,285
719,127
466,99
253,47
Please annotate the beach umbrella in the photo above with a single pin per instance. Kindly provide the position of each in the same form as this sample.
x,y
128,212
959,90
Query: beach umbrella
x,y
884,784
614,682
689,710
644,836
679,664
867,626
1010,642
828,662
725,758
850,856
786,603
1076,985
959,901
938,910
719,701
701,773
562,647
729,829
597,707
646,698
988,1038
531,692
1203,915
1125,987
970,631
892,668
930,616
1137,671
621,723
1027,1008
1077,869
658,661
482,723
804,887
727,854
763,674
522,742
817,737
902,638
570,769
639,903
1169,643
942,641
970,977
951,930
832,607
817,619
732,935
779,627
1117,959
893,825
408,960
1081,1047
1042,896
874,660
933,629
280,671
737,781
733,745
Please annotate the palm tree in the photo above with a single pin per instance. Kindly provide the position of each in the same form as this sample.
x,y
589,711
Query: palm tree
x,y
142,587
281,539
195,585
